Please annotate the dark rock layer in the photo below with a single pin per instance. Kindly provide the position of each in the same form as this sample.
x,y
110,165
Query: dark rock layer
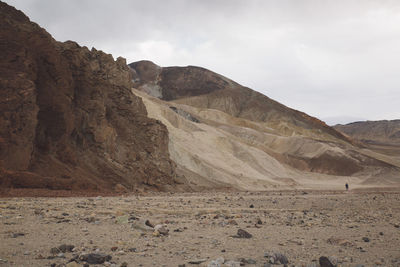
x,y
69,119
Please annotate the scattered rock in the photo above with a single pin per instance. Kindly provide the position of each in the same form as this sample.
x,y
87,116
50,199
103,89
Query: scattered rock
x,y
340,242
148,223
66,248
124,264
216,263
244,261
197,261
95,258
276,258
243,234
162,229
251,206
365,239
325,262
15,235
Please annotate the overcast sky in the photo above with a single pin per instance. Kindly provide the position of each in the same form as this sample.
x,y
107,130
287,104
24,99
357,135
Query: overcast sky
x,y
335,60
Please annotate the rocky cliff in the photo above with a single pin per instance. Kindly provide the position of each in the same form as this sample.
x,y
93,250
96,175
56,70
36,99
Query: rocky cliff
x,y
69,119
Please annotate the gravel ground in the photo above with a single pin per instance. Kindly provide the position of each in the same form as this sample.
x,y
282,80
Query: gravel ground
x,y
203,229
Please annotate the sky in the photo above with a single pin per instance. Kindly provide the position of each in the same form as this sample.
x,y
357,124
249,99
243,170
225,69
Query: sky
x,y
336,60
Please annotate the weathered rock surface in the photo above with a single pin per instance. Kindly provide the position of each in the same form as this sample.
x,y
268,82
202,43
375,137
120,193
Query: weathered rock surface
x,y
68,118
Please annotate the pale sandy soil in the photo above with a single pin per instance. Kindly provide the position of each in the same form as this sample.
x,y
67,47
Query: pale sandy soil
x,y
301,225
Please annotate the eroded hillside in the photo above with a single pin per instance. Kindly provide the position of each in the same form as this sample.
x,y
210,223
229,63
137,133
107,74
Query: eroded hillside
x,y
223,134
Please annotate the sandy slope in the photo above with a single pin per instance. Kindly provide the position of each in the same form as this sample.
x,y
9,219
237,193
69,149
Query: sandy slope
x,y
225,151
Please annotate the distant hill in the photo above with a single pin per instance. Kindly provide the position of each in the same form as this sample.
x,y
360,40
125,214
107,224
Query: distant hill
x,y
373,131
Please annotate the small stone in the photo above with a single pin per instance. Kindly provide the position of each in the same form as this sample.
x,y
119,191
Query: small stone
x,y
243,234
114,248
161,228
276,258
60,255
248,261
216,263
259,221
197,261
66,248
27,253
15,235
148,223
325,262
124,264
365,239
95,258
251,206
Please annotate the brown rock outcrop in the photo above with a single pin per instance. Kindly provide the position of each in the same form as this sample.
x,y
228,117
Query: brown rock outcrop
x,y
68,117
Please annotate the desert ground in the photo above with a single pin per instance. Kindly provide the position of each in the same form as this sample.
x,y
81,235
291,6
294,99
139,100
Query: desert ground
x,y
354,228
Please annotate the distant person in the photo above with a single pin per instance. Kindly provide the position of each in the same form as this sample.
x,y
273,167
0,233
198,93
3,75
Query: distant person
x,y
347,187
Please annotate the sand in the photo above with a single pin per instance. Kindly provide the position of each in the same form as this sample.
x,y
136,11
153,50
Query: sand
x,y
302,225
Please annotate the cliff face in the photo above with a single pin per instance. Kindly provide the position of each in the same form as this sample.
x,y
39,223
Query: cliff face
x,y
69,119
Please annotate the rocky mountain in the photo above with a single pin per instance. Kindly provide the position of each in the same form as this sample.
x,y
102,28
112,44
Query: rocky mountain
x,y
386,131
75,119
225,135
69,119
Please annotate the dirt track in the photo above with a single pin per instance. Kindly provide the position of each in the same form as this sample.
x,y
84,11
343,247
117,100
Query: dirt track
x,y
352,228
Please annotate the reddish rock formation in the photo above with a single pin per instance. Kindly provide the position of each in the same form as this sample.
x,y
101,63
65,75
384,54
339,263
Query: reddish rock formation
x,y
68,118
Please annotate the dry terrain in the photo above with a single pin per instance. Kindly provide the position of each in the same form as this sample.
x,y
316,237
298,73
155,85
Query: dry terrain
x,y
351,228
